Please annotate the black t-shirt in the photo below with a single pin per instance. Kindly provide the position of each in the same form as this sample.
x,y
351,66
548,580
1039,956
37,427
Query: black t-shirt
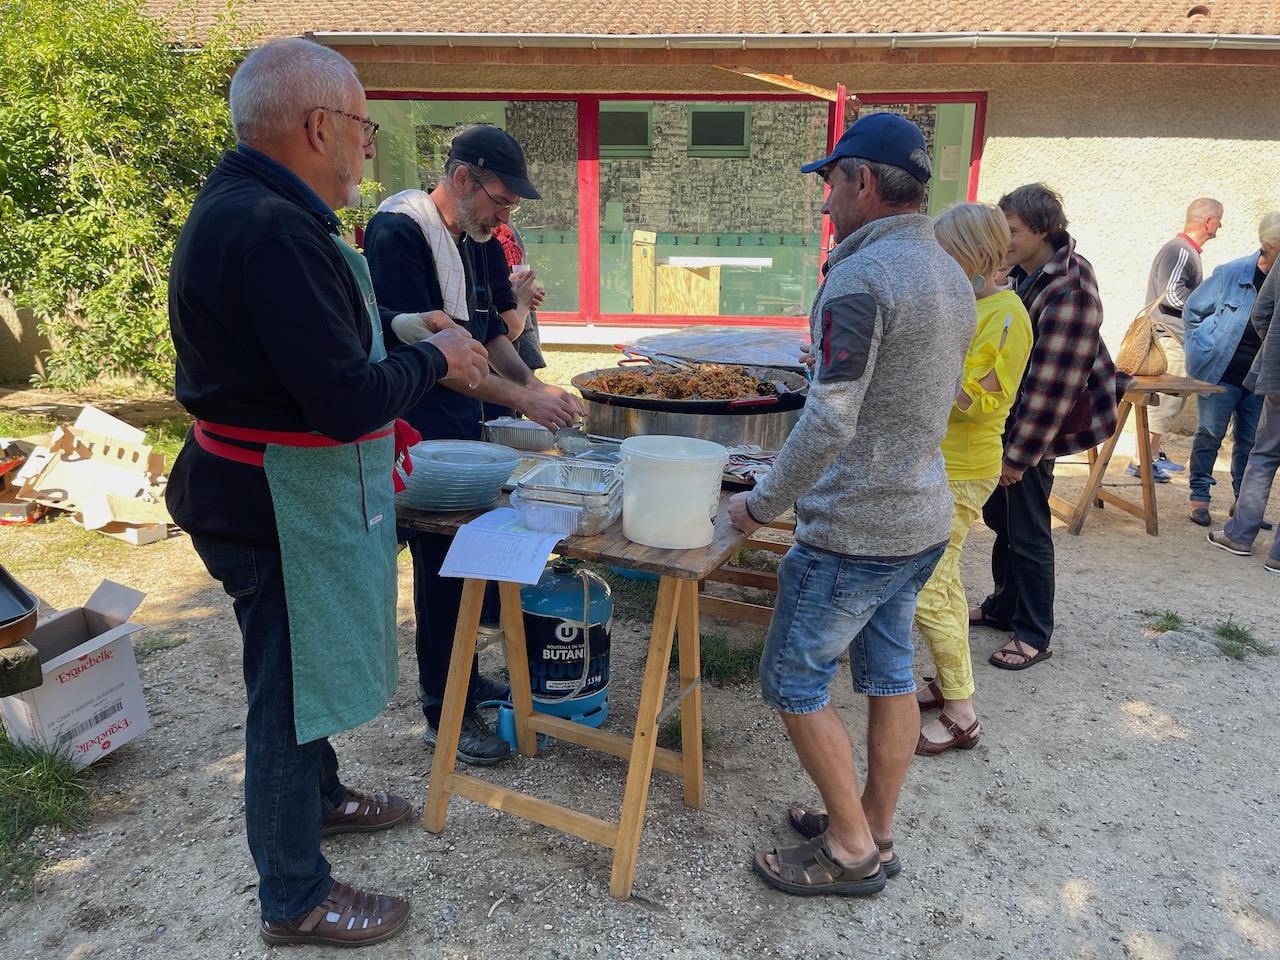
x,y
1248,347
405,280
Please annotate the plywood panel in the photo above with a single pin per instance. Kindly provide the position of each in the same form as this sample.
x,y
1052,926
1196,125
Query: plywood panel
x,y
688,291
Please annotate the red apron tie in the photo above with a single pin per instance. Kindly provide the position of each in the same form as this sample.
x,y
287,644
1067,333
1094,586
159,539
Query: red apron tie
x,y
405,437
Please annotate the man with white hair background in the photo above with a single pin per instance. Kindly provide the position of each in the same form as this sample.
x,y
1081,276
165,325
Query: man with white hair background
x,y
285,481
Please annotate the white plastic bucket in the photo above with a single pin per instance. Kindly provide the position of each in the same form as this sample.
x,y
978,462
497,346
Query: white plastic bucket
x,y
671,490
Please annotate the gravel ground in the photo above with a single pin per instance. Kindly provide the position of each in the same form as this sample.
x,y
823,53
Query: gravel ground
x,y
1122,802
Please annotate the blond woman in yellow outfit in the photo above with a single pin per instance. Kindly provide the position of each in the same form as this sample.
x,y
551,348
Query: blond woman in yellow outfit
x,y
976,235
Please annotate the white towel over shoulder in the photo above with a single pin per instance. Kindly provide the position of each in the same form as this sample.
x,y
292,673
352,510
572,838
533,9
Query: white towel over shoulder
x,y
444,249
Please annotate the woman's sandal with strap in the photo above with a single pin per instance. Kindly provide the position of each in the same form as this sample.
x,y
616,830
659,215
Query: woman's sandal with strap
x,y
962,738
936,699
1031,655
808,869
810,825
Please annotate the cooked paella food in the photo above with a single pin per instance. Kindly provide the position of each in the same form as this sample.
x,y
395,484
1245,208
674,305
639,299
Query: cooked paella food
x,y
706,381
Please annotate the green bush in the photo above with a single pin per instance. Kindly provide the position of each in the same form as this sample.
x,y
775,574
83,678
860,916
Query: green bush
x,y
106,134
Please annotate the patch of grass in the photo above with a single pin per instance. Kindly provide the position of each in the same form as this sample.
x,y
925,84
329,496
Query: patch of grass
x,y
632,599
723,661
20,425
39,786
57,545
756,560
671,736
1162,621
154,644
166,436
1237,641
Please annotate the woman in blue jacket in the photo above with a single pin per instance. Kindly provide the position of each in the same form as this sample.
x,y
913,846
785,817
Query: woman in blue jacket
x,y
1220,346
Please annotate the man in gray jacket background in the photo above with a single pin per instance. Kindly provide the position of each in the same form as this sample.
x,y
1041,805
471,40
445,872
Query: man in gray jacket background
x,y
1176,271
890,326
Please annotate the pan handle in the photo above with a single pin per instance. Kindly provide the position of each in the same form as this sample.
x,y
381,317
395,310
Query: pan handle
x,y
753,402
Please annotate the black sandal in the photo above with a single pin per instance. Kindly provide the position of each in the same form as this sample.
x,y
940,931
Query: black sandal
x,y
1020,651
985,621
808,869
810,825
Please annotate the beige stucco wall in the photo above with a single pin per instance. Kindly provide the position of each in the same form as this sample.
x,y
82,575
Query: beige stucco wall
x,y
1127,145
22,347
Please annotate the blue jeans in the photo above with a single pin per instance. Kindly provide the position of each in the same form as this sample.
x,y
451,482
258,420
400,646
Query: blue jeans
x,y
288,789
827,603
1255,487
1216,411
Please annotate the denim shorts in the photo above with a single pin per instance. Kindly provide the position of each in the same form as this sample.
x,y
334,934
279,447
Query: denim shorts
x,y
827,603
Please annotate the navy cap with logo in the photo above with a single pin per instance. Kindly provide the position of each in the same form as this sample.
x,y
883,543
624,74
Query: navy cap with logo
x,y
882,138
492,148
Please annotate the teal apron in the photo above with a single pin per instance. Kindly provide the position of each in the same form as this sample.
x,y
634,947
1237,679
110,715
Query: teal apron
x,y
336,519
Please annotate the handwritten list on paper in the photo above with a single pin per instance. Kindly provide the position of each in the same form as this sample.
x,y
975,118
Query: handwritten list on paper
x,y
498,546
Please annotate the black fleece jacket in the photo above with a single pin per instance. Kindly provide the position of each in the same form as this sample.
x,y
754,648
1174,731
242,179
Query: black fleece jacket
x,y
271,332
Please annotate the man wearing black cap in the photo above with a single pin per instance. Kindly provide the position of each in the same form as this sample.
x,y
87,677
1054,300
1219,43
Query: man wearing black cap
x,y
435,263
863,471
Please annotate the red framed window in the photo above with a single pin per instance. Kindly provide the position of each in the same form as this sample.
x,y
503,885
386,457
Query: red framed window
x,y
670,209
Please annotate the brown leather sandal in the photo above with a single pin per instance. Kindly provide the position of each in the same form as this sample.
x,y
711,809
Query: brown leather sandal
x,y
366,813
810,825
1020,649
808,869
936,699
346,918
962,738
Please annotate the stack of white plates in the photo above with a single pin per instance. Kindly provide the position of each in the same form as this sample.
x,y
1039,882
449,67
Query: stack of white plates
x,y
453,475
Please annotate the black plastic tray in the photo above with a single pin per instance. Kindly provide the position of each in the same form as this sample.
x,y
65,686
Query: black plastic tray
x,y
15,601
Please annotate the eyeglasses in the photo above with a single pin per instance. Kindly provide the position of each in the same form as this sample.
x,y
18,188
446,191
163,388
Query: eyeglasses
x,y
511,207
368,126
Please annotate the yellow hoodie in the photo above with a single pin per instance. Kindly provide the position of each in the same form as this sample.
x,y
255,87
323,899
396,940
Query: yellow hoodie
x,y
1002,342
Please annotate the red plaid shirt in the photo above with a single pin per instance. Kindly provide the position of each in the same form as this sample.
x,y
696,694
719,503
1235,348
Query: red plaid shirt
x,y
1067,402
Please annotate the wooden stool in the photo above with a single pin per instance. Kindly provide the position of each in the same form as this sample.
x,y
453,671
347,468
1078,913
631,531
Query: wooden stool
x,y
1137,398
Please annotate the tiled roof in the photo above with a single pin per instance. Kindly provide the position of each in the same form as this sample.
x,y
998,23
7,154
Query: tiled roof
x,y
191,20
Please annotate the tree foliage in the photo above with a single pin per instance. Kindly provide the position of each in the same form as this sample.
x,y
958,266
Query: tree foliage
x,y
106,134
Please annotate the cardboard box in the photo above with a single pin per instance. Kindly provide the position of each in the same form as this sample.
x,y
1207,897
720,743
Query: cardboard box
x,y
91,698
100,469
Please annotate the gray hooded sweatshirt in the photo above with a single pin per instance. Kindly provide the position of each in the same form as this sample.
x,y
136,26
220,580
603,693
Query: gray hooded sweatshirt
x,y
890,327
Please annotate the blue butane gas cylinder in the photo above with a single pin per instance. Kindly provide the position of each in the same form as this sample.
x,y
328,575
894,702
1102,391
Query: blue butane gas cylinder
x,y
554,610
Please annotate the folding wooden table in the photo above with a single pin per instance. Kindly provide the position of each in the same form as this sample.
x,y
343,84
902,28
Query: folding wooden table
x,y
1137,398
676,614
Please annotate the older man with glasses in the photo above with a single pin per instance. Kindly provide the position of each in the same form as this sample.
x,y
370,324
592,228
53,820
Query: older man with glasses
x,y
285,482
435,260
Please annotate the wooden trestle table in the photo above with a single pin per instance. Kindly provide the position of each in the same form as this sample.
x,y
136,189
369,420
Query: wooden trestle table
x,y
675,615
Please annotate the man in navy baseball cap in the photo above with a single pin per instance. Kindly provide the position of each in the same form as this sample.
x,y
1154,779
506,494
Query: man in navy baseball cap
x,y
493,149
882,138
879,167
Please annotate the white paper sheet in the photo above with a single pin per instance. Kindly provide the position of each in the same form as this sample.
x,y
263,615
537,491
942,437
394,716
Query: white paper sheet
x,y
498,546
